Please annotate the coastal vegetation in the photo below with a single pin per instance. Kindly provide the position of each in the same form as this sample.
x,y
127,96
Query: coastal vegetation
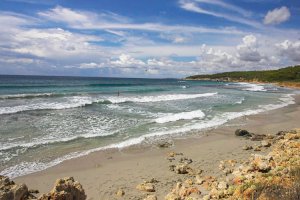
x,y
284,75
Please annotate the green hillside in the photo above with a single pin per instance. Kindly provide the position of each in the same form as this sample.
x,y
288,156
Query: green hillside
x,y
288,74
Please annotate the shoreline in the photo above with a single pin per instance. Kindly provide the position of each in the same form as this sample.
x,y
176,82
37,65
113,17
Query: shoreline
x,y
285,84
102,173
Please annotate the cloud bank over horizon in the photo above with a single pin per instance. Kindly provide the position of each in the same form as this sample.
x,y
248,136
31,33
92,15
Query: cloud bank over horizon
x,y
133,39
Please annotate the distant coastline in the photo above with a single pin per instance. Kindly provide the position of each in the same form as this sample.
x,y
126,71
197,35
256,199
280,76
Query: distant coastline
x,y
284,77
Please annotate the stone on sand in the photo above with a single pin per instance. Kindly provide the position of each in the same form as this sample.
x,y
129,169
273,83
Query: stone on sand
x,y
65,189
120,193
11,191
146,187
151,197
240,132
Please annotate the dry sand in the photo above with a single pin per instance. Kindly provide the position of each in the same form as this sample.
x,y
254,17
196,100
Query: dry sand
x,y
103,173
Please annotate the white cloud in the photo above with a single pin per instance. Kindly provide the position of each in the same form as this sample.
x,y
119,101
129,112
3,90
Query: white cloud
x,y
61,14
126,60
228,6
277,16
17,60
53,43
193,6
248,51
113,22
90,65
290,49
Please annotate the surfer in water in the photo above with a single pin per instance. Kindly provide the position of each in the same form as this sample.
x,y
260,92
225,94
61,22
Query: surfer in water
x,y
118,92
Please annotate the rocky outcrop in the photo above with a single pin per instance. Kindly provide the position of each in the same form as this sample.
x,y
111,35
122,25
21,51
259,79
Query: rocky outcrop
x,y
272,176
182,191
65,189
9,190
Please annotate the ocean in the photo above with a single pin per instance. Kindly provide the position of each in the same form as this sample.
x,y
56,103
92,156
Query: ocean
x,y
46,120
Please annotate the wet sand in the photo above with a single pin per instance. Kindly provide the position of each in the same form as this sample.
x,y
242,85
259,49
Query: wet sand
x,y
103,173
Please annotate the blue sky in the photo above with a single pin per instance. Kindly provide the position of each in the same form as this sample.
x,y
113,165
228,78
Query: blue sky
x,y
147,38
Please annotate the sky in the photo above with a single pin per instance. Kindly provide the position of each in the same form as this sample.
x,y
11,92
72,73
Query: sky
x,y
147,38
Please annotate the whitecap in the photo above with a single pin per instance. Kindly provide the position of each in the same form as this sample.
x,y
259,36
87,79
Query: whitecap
x,y
180,116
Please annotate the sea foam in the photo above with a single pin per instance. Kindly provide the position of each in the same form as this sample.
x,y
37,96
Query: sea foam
x,y
81,101
180,116
253,87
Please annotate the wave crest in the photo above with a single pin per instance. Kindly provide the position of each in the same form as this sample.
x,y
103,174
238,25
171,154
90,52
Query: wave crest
x,y
81,101
181,116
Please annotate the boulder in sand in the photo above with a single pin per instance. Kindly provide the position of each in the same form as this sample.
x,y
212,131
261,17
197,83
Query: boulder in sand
x,y
65,189
146,187
240,132
11,191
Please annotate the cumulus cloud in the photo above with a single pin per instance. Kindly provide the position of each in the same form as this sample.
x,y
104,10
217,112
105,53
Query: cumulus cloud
x,y
277,16
126,60
53,43
290,49
248,51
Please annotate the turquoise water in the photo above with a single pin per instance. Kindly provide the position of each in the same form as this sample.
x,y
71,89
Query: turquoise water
x,y
45,120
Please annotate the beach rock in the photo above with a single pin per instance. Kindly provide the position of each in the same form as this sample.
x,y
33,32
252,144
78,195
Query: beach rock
x,y
184,191
170,159
291,136
146,187
120,193
261,162
172,196
257,149
181,169
165,144
222,166
286,132
151,197
199,180
193,197
247,147
240,132
152,180
171,154
270,137
265,143
206,197
32,191
65,189
227,171
189,182
258,137
222,185
186,160
11,191
172,168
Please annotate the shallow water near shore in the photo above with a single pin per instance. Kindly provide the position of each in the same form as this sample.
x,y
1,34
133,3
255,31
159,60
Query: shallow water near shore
x,y
45,120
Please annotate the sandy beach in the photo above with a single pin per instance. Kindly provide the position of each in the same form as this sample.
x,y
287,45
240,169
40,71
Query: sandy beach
x,y
103,173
